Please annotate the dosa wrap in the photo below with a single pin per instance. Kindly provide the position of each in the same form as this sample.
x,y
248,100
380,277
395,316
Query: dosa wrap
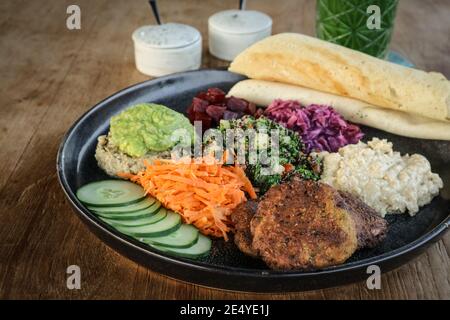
x,y
400,123
312,63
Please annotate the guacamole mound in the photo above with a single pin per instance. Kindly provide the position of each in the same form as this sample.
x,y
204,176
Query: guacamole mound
x,y
149,127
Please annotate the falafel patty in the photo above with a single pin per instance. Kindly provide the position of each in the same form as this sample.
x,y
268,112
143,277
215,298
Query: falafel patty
x,y
310,225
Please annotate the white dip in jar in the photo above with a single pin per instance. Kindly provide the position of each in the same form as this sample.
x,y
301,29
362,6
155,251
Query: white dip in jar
x,y
167,48
381,177
232,31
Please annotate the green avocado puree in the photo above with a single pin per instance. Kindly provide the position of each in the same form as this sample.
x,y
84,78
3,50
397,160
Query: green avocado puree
x,y
148,127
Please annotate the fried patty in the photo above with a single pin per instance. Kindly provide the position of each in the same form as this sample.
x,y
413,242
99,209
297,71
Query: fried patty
x,y
241,217
299,225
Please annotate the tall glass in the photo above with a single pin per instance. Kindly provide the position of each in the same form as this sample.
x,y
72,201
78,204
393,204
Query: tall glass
x,y
364,25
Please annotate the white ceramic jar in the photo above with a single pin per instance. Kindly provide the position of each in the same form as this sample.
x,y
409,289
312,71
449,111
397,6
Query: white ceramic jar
x,y
232,31
167,48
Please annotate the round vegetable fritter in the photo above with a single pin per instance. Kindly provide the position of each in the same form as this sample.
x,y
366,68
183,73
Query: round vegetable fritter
x,y
310,225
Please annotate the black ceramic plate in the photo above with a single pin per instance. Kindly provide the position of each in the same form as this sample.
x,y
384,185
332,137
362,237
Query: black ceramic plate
x,y
227,267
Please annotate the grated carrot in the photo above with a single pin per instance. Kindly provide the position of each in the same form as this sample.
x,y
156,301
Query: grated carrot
x,y
204,194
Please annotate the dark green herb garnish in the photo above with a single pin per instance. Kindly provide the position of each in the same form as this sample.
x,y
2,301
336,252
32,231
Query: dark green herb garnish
x,y
292,159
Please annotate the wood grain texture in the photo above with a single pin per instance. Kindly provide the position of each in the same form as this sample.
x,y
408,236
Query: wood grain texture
x,y
50,76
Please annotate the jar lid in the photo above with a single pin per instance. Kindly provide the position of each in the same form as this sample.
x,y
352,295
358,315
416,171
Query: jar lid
x,y
240,21
167,36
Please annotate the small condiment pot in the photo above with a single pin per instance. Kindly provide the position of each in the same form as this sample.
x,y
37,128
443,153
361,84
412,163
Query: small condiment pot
x,y
232,31
167,48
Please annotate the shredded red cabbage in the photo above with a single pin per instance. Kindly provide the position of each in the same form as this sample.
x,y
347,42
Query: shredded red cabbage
x,y
321,127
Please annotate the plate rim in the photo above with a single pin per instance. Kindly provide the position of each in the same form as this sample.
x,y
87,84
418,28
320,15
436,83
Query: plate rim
x,y
426,239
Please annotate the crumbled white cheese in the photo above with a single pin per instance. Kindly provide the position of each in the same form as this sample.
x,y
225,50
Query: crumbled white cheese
x,y
381,177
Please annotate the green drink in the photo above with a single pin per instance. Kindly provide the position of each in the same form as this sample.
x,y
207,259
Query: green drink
x,y
363,25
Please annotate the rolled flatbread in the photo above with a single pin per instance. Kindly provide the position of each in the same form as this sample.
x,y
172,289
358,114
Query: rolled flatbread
x,y
264,92
312,63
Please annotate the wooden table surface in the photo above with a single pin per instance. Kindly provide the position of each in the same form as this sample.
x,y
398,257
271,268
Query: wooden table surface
x,y
49,76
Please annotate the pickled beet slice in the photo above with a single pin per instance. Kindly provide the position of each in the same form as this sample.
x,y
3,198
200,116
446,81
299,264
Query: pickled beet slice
x,y
251,108
199,105
202,95
215,112
236,104
215,96
205,119
212,105
230,115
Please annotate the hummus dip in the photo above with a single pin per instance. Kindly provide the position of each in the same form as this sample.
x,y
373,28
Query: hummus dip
x,y
382,178
113,161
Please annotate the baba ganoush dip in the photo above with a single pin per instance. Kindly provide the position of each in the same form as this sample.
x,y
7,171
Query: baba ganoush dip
x,y
382,178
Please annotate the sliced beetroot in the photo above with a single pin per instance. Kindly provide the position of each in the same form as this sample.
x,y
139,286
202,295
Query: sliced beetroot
x,y
230,115
236,104
240,114
251,108
215,95
199,105
215,112
212,105
205,119
202,95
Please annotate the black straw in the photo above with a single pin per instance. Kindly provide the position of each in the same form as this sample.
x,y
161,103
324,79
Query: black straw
x,y
242,4
154,6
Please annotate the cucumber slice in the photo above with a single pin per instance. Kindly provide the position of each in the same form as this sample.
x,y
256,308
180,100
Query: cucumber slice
x,y
110,193
184,237
199,249
161,228
153,209
147,202
149,219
